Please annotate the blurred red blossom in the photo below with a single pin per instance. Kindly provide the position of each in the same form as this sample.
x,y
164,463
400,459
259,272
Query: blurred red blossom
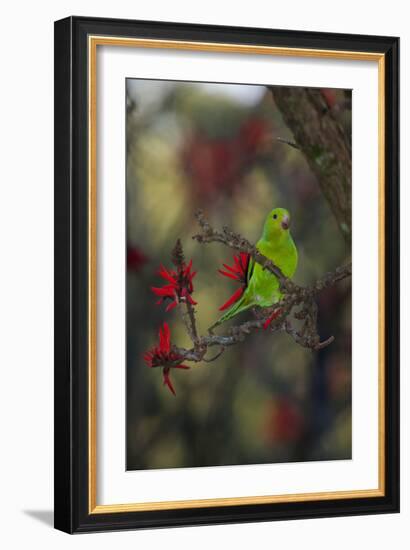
x,y
238,272
179,287
136,259
219,164
255,137
285,421
330,96
165,356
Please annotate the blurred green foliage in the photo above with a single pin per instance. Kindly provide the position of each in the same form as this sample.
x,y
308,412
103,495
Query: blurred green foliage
x,y
267,400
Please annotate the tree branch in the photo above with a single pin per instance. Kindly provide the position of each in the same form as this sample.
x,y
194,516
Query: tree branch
x,y
294,296
187,309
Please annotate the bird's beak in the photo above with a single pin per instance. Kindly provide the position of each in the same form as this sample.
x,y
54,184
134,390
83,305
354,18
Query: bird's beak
x,y
285,222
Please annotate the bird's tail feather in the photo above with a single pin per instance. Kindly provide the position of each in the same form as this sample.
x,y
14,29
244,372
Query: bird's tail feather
x,y
241,305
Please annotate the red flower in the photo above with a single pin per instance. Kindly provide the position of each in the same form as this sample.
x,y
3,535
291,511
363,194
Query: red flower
x,y
255,136
164,356
330,96
285,422
274,315
238,273
179,287
218,164
135,258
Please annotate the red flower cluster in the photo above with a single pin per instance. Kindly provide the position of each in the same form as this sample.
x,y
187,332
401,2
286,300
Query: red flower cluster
x,y
255,137
179,287
164,356
285,423
218,164
330,96
136,259
238,272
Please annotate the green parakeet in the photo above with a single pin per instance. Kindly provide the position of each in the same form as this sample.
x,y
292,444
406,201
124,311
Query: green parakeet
x,y
262,287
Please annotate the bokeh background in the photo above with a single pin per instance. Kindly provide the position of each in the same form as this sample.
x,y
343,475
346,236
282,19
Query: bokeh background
x,y
216,146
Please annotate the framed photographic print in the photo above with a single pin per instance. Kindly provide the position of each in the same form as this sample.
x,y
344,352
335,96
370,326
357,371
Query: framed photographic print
x,y
226,274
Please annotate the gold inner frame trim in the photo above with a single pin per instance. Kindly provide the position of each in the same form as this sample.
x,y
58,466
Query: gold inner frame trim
x,y
93,42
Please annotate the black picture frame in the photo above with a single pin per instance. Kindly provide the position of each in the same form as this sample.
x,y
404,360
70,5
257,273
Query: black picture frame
x,y
71,492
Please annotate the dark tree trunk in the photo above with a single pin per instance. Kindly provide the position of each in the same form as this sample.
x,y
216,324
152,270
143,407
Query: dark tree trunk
x,y
326,145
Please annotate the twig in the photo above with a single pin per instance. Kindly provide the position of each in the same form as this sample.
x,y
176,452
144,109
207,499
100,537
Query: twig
x,y
288,142
188,311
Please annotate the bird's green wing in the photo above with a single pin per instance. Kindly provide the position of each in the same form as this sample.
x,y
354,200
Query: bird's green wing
x,y
251,266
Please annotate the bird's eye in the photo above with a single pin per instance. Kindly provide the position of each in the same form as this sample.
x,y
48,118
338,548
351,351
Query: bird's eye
x,y
275,216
